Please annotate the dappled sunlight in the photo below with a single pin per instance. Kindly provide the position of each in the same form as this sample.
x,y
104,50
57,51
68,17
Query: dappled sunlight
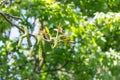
x,y
59,40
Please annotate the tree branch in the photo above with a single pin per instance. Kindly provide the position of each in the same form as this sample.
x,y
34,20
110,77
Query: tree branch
x,y
4,16
15,17
58,69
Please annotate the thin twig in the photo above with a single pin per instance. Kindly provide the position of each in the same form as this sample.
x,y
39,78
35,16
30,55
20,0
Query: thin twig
x,y
15,17
4,16
52,70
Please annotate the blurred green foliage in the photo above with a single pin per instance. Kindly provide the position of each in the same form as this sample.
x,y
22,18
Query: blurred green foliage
x,y
81,40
